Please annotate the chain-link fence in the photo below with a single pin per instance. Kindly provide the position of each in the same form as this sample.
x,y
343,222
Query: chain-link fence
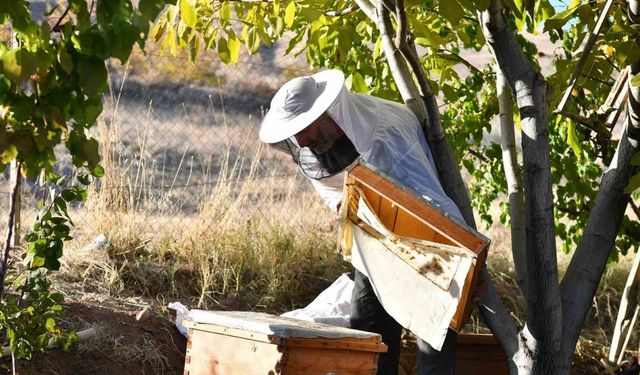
x,y
175,135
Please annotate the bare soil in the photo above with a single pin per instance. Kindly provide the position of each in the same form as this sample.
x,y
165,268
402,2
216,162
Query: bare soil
x,y
121,346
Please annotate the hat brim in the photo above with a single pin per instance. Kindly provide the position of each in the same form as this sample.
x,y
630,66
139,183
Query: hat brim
x,y
275,129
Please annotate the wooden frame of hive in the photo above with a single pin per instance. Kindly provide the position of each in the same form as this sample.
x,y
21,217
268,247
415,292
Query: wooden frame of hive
x,y
405,213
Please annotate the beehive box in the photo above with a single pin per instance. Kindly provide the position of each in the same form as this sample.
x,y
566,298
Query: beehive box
x,y
479,354
407,215
245,343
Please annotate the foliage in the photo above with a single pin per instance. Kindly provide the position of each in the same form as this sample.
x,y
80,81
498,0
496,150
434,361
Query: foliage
x,y
51,83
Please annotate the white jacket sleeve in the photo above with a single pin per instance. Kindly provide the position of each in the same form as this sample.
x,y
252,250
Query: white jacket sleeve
x,y
330,189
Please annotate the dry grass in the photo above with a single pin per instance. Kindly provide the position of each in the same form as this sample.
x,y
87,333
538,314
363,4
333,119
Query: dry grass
x,y
253,241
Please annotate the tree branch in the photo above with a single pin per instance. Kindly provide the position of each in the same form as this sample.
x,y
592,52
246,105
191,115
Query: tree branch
x,y
514,184
344,12
588,123
445,161
56,27
401,74
544,314
499,321
10,225
369,9
446,54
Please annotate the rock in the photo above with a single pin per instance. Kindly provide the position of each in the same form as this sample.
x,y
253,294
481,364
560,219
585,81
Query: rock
x,y
98,243
143,314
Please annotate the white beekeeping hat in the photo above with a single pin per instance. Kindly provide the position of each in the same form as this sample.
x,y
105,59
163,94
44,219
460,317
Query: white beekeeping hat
x,y
298,103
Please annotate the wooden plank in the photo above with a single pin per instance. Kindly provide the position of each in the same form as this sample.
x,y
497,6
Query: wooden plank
x,y
216,354
408,226
213,328
387,213
342,344
423,212
312,361
463,312
372,197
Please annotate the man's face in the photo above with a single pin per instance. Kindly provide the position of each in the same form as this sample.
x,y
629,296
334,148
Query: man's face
x,y
321,135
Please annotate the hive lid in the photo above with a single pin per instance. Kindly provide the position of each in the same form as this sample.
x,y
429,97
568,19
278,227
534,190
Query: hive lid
x,y
275,325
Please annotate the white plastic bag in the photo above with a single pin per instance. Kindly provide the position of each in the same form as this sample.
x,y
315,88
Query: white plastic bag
x,y
332,306
182,313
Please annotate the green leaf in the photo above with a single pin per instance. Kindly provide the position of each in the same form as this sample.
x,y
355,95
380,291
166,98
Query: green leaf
x,y
93,75
635,80
68,195
158,30
627,53
225,13
19,64
50,325
223,50
188,12
98,171
234,45
8,154
295,40
573,140
253,41
194,48
451,10
357,83
91,152
121,37
634,183
64,59
377,48
561,18
289,14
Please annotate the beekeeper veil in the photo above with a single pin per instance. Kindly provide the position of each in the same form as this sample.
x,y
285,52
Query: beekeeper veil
x,y
302,101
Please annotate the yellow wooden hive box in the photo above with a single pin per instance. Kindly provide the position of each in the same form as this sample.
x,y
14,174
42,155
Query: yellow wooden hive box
x,y
246,343
412,222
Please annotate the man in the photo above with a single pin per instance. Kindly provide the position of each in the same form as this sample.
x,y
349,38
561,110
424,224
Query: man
x,y
326,128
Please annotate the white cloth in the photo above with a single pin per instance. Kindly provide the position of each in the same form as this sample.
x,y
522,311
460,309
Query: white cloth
x,y
332,306
393,279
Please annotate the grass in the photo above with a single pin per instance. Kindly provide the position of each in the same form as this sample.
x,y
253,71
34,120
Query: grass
x,y
254,241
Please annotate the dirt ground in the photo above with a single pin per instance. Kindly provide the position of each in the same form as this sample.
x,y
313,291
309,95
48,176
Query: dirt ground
x,y
122,345
125,346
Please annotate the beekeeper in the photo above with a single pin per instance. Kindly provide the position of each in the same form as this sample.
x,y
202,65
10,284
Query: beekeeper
x,y
325,128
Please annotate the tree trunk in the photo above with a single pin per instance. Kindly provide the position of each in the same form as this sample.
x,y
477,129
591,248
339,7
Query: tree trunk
x,y
541,337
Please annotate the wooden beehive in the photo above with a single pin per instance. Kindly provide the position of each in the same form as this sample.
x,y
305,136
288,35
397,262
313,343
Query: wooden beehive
x,y
245,343
479,354
406,214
